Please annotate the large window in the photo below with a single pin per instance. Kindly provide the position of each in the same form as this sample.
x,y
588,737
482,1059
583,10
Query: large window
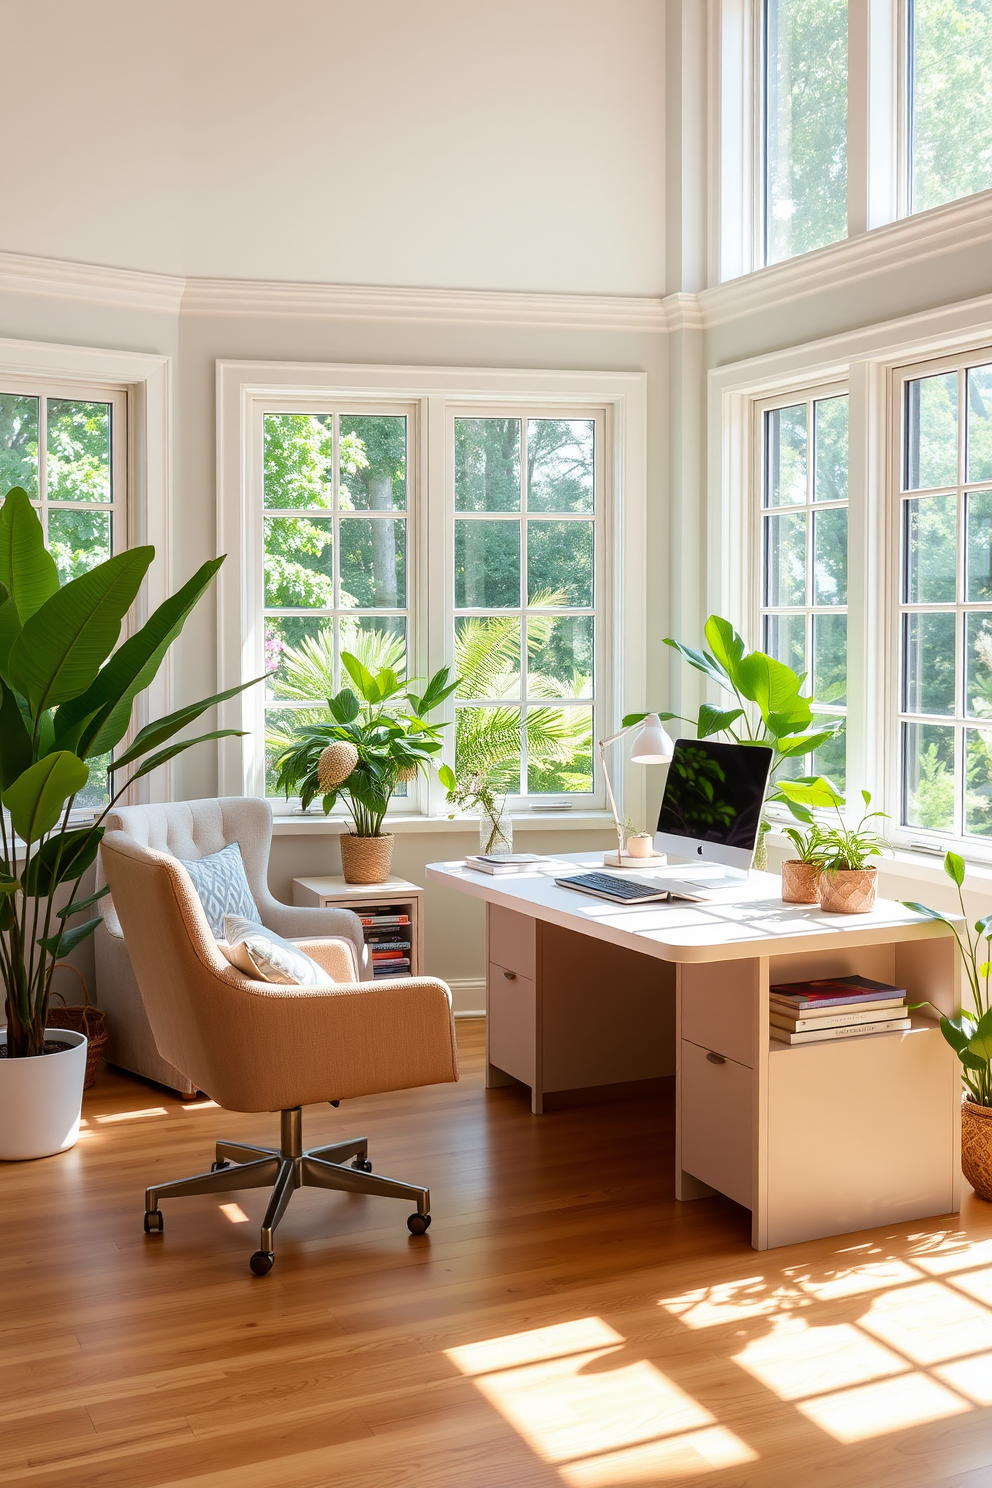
x,y
804,529
950,83
945,608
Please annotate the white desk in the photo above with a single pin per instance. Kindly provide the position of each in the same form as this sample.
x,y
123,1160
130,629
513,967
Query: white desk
x,y
815,1139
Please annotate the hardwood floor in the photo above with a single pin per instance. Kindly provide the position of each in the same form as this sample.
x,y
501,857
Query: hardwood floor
x,y
565,1322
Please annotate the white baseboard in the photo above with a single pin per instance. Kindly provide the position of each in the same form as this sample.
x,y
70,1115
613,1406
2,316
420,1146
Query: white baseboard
x,y
468,997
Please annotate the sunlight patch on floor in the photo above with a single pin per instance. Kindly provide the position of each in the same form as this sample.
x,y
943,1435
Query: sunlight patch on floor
x,y
888,1405
234,1213
130,1115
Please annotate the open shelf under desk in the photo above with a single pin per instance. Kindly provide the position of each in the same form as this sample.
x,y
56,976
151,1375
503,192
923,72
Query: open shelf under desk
x,y
919,1025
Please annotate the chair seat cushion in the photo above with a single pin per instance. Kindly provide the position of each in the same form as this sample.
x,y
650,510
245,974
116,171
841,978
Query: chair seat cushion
x,y
221,885
260,953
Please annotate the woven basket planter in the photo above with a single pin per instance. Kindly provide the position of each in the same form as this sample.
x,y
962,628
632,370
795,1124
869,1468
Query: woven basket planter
x,y
976,1147
366,860
87,1020
800,882
848,890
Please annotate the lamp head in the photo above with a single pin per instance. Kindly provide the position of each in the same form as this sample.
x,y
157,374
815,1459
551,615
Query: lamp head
x,y
652,745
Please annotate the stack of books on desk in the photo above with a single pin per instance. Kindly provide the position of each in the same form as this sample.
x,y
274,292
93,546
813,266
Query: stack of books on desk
x,y
387,935
835,1008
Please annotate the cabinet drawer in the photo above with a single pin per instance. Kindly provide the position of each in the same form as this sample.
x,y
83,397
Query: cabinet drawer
x,y
513,941
719,1008
717,1121
511,1023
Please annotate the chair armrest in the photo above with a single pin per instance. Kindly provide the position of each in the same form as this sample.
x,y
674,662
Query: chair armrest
x,y
333,955
297,922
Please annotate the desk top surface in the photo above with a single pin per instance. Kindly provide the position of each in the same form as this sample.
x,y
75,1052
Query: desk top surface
x,y
731,924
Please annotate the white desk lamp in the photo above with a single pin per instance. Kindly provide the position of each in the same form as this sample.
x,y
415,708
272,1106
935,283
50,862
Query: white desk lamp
x,y
651,747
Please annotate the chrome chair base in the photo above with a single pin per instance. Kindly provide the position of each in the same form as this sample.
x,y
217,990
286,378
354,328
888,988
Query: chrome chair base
x,y
284,1169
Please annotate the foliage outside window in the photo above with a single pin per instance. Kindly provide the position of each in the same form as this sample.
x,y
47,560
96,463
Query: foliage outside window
x,y
805,125
950,83
945,612
62,449
526,502
804,525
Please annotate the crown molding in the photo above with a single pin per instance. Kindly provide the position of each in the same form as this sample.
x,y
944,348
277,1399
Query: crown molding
x,y
54,278
962,224
683,312
642,313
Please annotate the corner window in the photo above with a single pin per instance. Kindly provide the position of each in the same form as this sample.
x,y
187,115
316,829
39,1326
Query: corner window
x,y
950,82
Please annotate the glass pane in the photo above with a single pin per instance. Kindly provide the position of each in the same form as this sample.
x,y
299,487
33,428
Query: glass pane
x,y
830,420
299,569
785,639
928,776
96,792
487,464
785,560
372,458
487,656
78,540
559,656
830,556
951,75
831,760
978,665
18,443
931,550
487,747
785,456
980,424
377,640
805,125
299,657
298,454
978,510
978,782
830,658
560,563
78,451
560,464
373,563
487,565
559,750
279,724
928,663
932,432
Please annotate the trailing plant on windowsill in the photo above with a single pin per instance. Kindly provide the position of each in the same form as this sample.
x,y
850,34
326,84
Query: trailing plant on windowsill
x,y
66,696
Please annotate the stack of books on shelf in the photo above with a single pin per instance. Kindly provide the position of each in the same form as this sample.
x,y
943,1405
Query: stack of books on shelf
x,y
836,1008
387,935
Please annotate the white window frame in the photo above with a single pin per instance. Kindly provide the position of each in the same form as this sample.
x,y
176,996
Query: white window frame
x,y
141,384
244,388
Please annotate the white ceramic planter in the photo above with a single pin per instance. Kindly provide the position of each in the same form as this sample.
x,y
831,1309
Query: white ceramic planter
x,y
40,1099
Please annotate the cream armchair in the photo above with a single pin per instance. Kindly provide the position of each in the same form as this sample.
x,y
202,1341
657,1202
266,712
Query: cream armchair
x,y
194,829
255,1046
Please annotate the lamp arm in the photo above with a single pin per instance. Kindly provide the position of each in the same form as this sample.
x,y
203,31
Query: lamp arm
x,y
610,739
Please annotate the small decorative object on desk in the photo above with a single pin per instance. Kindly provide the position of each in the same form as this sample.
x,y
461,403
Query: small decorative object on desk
x,y
848,880
801,874
474,792
970,1034
835,1008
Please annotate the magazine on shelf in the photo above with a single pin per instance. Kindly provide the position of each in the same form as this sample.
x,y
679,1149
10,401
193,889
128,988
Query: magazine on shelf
x,y
793,1024
855,1030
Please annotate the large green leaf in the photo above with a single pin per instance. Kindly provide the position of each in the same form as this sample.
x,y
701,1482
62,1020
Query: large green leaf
x,y
27,568
794,719
62,858
61,648
726,646
924,910
767,682
164,755
953,864
344,706
15,741
702,661
802,744
156,733
812,792
104,709
10,629
68,910
980,1043
361,676
37,797
713,721
67,940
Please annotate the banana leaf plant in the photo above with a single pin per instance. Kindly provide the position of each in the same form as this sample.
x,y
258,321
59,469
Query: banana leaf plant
x,y
766,705
66,696
390,742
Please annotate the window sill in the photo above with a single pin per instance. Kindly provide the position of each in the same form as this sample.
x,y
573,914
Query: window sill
x,y
305,824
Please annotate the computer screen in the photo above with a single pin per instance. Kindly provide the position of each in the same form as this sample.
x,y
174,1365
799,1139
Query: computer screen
x,y
713,800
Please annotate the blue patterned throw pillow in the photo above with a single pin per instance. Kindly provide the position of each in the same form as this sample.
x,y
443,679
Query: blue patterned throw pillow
x,y
222,886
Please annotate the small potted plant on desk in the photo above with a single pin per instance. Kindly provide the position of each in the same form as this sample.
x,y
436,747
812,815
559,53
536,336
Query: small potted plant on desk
x,y
848,878
970,1035
801,874
377,736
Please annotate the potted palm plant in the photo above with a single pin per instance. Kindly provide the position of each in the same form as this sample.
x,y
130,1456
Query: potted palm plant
x,y
377,736
66,696
970,1034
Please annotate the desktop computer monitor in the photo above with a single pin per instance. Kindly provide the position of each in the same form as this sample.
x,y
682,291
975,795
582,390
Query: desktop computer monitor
x,y
712,803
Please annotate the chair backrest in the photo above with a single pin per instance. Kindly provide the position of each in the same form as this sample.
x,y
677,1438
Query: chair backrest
x,y
195,829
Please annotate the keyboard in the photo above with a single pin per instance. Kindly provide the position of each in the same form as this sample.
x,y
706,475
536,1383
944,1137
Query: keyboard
x,y
620,890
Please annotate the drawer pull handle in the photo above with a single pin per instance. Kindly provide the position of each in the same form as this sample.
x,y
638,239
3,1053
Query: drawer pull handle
x,y
511,976
715,1058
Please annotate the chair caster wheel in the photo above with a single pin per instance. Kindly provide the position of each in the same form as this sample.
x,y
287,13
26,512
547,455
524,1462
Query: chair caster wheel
x,y
418,1224
262,1262
154,1222
219,1165
362,1165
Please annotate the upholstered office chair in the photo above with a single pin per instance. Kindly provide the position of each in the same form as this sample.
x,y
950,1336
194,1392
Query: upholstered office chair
x,y
257,1046
194,829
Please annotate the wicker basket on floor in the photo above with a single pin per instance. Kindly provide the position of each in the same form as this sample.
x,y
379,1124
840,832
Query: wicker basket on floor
x,y
87,1020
